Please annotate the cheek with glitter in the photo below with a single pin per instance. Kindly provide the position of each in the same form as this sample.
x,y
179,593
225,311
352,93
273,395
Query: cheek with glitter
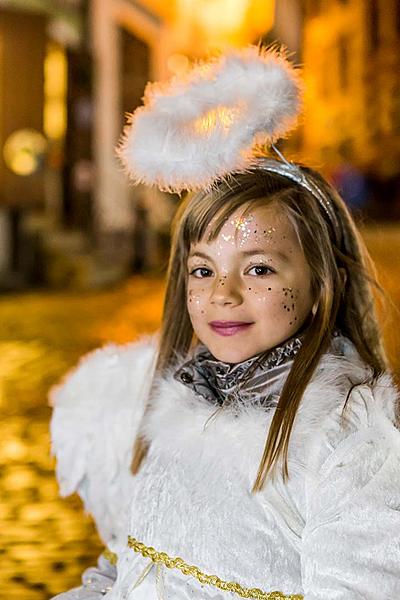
x,y
262,296
289,304
265,296
194,298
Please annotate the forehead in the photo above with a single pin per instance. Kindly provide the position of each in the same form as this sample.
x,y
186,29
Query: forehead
x,y
255,226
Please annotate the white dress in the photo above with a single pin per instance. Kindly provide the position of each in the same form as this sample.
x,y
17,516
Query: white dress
x,y
332,532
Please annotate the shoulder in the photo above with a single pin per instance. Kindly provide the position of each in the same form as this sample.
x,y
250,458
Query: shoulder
x,y
110,368
345,407
97,408
345,436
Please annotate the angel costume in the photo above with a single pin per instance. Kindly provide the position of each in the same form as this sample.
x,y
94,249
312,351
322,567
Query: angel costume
x,y
331,532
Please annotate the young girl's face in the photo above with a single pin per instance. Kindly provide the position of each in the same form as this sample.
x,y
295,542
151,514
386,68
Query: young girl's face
x,y
250,288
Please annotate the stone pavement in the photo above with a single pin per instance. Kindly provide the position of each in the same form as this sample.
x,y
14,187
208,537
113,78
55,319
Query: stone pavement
x,y
46,541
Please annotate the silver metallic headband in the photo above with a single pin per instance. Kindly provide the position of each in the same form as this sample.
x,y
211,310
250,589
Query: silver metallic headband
x,y
293,172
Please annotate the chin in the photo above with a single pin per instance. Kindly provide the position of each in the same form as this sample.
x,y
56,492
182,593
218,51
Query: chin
x,y
231,355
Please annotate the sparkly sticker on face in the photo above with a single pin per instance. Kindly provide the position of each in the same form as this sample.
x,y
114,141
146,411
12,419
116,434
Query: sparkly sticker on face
x,y
243,228
244,231
227,238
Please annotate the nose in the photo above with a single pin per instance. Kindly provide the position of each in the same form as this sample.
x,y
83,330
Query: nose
x,y
226,291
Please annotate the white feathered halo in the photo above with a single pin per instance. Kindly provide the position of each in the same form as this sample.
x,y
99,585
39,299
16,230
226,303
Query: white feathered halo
x,y
205,125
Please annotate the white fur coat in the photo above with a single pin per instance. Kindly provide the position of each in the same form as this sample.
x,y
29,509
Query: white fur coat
x,y
331,533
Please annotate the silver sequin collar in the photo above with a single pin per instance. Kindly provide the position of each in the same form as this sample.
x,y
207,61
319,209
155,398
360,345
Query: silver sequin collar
x,y
259,378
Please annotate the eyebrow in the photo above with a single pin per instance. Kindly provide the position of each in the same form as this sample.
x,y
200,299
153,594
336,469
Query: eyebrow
x,y
251,252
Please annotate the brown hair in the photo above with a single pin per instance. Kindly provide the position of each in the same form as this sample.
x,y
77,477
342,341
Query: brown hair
x,y
341,280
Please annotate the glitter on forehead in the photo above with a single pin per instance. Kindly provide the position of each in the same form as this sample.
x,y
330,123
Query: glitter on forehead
x,y
268,232
227,238
242,226
242,223
244,230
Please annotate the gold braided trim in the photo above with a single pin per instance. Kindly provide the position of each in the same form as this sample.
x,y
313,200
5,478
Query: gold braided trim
x,y
110,556
179,563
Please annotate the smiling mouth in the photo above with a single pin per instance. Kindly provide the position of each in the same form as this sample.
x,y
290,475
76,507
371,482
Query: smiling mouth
x,y
226,328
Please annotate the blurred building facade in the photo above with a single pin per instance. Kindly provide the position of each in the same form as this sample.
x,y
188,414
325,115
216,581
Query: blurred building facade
x,y
352,80
21,117
134,42
43,136
78,221
68,215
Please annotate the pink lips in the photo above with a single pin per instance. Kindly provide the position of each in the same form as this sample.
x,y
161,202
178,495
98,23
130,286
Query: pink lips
x,y
226,328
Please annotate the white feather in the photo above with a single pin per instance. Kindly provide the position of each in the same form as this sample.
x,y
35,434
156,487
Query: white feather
x,y
319,534
93,428
204,126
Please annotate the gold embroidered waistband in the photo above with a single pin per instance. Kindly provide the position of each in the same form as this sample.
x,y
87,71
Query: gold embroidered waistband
x,y
203,578
110,556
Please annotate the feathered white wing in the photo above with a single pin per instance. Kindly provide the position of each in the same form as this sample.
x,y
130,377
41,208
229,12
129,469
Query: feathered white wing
x,y
97,410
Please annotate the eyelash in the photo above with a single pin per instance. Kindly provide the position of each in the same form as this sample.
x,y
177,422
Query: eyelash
x,y
268,270
199,269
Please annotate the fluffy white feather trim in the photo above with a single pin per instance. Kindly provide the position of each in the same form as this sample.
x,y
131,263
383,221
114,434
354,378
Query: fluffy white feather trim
x,y
205,125
97,410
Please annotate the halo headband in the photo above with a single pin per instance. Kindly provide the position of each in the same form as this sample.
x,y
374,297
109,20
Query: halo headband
x,y
203,126
206,125
292,171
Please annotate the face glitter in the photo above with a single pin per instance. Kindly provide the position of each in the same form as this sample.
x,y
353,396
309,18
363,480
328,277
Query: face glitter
x,y
227,238
268,233
243,229
246,277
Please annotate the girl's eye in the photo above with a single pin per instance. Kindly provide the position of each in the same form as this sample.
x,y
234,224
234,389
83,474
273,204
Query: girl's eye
x,y
260,270
201,272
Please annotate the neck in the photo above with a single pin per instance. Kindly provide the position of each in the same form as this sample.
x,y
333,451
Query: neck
x,y
256,379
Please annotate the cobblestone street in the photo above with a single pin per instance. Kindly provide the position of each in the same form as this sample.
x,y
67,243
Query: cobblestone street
x,y
46,541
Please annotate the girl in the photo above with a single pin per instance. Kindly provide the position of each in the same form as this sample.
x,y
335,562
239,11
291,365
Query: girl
x,y
266,455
